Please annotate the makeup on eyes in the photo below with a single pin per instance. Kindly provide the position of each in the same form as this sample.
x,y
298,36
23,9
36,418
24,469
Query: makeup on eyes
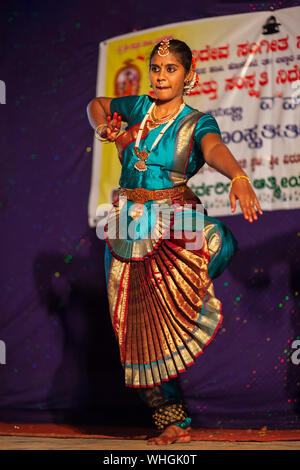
x,y
167,65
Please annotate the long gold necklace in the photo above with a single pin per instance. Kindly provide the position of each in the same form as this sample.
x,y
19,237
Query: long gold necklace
x,y
143,154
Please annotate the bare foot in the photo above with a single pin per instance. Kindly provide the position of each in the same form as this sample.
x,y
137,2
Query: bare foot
x,y
171,434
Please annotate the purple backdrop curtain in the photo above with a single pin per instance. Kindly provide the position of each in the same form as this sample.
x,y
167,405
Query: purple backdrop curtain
x,y
62,361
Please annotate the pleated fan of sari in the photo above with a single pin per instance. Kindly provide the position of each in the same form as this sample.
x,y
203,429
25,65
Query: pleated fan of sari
x,y
164,312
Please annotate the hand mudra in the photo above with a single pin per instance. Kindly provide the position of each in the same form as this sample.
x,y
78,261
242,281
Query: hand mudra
x,y
111,131
243,191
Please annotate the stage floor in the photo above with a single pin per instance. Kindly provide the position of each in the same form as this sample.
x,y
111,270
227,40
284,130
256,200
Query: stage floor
x,y
74,443
46,436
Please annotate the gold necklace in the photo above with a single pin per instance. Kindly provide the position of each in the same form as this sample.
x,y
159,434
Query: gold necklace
x,y
155,121
143,155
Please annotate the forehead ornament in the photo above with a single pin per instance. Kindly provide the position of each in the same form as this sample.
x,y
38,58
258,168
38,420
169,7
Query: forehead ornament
x,y
163,49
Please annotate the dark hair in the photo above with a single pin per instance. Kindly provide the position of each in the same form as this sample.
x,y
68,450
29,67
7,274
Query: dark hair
x,y
181,49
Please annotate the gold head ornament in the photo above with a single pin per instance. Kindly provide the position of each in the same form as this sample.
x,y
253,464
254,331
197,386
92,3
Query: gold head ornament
x,y
164,47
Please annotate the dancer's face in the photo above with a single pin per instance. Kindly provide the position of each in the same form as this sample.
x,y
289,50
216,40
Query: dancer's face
x,y
167,76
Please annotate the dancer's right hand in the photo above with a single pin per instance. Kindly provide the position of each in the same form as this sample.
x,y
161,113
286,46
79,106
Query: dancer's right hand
x,y
111,131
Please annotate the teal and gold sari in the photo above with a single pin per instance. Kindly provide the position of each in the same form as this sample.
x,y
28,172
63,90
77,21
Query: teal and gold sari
x,y
159,268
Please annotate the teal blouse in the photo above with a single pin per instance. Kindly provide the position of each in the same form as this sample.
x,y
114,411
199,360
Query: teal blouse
x,y
177,157
168,164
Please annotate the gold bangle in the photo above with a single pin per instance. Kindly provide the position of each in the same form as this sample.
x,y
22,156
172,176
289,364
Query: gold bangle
x,y
237,177
98,135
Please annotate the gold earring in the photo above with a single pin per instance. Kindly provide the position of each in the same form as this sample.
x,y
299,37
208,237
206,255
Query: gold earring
x,y
187,87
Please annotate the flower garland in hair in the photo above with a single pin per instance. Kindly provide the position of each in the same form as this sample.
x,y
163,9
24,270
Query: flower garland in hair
x,y
196,76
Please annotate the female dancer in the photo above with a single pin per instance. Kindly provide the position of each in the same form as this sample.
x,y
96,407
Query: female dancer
x,y
161,298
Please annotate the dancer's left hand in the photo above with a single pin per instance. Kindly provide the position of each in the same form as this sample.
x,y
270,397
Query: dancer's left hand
x,y
242,190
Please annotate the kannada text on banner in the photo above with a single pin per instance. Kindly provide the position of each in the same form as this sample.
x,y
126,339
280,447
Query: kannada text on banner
x,y
249,80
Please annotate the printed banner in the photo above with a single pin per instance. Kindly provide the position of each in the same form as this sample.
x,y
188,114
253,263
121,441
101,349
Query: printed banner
x,y
249,80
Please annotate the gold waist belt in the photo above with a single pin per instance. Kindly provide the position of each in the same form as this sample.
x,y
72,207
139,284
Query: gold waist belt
x,y
142,195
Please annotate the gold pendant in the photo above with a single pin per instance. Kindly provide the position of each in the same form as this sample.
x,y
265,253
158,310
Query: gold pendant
x,y
140,165
152,124
143,155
